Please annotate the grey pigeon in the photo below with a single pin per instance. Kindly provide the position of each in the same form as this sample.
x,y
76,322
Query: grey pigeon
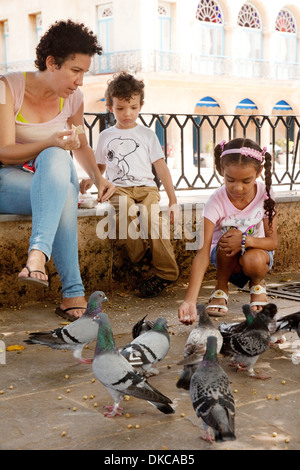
x,y
75,335
118,375
141,327
228,329
148,348
247,345
212,397
195,346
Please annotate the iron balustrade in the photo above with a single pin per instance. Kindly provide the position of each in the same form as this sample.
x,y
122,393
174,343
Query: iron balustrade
x,y
188,141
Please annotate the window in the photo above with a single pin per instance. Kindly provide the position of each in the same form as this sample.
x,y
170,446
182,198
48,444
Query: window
x,y
286,40
38,27
164,21
35,32
4,35
209,11
105,35
210,40
164,36
249,17
250,34
285,22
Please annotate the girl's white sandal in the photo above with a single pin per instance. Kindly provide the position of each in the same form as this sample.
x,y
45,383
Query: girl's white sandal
x,y
257,290
217,294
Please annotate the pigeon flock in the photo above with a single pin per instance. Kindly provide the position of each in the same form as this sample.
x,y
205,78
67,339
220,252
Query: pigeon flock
x,y
124,371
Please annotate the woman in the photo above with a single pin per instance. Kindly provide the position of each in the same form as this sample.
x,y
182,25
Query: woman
x,y
37,174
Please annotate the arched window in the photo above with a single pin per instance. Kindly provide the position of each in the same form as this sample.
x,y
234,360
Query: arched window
x,y
209,10
210,38
250,33
285,22
286,37
249,17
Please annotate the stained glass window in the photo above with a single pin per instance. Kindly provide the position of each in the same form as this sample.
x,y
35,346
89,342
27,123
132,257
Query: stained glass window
x,y
249,17
162,10
209,11
285,22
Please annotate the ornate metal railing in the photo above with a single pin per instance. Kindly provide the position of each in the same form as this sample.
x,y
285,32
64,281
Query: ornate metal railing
x,y
188,141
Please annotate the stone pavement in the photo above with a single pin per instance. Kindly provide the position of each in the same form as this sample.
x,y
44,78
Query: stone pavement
x,y
49,402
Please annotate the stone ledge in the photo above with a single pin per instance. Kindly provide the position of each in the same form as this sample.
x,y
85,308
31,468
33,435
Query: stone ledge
x,y
104,263
194,198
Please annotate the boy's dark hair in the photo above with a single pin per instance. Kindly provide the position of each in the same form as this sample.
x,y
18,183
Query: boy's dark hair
x,y
237,158
124,86
64,39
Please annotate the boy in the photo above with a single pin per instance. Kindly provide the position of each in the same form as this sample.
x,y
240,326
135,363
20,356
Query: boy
x,y
126,152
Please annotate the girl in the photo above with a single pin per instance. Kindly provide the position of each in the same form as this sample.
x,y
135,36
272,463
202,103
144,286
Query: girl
x,y
240,231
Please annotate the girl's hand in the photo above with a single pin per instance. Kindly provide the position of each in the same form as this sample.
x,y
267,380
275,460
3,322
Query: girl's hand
x,y
187,313
231,241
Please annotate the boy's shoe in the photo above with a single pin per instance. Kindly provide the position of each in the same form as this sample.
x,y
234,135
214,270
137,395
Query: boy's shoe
x,y
153,287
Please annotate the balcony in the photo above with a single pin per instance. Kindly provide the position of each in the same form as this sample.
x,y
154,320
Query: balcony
x,y
149,61
192,64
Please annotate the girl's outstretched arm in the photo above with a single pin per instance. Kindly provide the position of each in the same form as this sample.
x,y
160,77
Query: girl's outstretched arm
x,y
187,312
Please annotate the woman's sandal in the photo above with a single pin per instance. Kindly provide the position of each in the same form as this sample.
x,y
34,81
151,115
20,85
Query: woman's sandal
x,y
64,313
33,280
217,294
257,290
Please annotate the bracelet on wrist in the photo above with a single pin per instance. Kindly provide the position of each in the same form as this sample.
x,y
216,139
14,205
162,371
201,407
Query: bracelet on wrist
x,y
243,247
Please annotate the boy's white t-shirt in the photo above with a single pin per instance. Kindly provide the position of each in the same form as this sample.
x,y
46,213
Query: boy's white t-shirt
x,y
128,155
220,210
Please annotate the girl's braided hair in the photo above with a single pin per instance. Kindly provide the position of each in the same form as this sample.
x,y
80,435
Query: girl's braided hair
x,y
237,158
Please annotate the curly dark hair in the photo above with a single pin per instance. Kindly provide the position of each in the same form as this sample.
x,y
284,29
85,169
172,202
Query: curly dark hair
x,y
64,39
237,158
124,86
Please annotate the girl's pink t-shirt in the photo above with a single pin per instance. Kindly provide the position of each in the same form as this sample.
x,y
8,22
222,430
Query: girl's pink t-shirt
x,y
220,210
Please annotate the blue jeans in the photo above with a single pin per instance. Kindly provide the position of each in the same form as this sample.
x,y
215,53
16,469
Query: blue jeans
x,y
238,279
51,196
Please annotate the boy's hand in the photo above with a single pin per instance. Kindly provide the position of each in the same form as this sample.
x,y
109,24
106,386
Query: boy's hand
x,y
105,190
173,213
85,184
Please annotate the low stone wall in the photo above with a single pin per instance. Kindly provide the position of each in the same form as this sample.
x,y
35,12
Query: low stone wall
x,y
104,263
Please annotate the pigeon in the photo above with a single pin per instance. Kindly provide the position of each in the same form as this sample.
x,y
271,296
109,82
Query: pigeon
x,y
288,323
141,327
253,340
119,376
75,335
228,329
212,397
196,345
148,348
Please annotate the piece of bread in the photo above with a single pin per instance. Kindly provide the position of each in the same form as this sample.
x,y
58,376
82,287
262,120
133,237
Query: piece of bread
x,y
78,129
